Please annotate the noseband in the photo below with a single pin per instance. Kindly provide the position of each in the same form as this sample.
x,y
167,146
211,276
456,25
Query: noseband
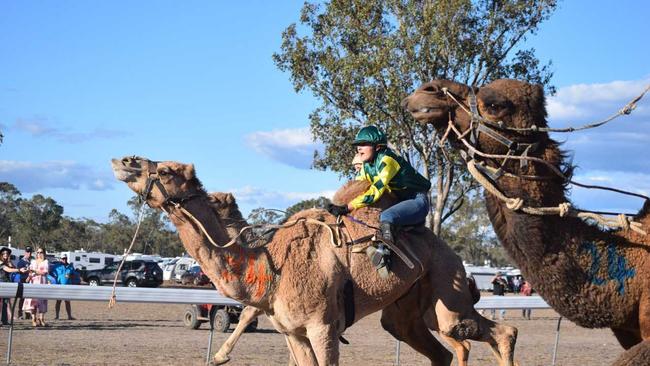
x,y
479,125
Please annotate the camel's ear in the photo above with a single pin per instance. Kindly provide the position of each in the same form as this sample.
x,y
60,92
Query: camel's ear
x,y
230,199
188,172
537,101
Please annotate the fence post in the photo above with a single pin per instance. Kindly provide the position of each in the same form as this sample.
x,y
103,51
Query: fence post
x,y
211,313
397,347
557,340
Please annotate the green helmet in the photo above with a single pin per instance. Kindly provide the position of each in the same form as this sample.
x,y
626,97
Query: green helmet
x,y
370,135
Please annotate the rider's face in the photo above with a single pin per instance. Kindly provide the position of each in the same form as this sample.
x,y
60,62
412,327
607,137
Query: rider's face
x,y
366,152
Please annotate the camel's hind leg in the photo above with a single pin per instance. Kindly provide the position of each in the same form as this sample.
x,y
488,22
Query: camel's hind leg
x,y
501,338
405,323
461,348
245,318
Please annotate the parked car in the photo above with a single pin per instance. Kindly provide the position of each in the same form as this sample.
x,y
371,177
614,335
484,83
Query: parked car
x,y
194,276
136,273
195,315
181,266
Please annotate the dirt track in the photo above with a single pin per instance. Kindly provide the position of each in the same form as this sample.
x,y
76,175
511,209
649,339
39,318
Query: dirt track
x,y
135,334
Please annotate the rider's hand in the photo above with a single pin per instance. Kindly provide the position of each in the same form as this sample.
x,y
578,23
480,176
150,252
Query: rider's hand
x,y
337,210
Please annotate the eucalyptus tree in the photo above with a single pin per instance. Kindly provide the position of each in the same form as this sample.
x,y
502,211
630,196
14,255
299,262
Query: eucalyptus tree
x,y
361,58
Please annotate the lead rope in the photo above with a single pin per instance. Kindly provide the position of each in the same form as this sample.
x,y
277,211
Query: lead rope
x,y
113,300
564,209
333,237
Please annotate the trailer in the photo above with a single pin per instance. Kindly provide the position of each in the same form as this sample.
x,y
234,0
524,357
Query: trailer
x,y
86,261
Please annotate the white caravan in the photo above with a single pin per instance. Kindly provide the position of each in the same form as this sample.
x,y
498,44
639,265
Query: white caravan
x,y
83,260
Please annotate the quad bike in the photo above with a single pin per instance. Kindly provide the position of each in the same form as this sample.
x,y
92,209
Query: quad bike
x,y
222,315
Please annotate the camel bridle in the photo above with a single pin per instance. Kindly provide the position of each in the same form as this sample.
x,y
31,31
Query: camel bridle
x,y
488,176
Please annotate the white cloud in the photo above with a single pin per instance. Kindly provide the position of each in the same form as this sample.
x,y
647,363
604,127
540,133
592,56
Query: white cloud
x,y
38,127
594,100
601,200
293,147
34,176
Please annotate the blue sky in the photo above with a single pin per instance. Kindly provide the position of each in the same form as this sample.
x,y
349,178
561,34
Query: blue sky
x,y
83,82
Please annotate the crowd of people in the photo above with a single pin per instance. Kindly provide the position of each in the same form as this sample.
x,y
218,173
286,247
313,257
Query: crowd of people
x,y
37,270
518,284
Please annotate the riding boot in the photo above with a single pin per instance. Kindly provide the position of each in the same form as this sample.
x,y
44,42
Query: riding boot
x,y
386,232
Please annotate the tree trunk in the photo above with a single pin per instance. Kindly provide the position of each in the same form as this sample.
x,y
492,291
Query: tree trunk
x,y
443,186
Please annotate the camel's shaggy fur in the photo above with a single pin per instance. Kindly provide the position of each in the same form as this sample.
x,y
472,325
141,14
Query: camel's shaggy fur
x,y
594,277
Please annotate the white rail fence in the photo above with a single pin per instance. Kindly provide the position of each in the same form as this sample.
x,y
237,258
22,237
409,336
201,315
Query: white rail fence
x,y
186,296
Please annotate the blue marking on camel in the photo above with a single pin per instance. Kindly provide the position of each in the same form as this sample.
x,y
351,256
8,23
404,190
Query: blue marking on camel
x,y
617,266
592,274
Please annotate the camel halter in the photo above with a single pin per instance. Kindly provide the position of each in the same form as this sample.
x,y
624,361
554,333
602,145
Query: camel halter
x,y
486,175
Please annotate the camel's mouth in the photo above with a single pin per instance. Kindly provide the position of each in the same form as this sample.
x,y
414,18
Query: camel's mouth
x,y
123,172
428,113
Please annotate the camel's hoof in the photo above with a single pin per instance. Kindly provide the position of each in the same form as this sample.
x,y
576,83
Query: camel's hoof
x,y
220,360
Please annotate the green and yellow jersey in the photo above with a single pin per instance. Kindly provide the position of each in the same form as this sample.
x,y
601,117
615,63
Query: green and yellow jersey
x,y
389,172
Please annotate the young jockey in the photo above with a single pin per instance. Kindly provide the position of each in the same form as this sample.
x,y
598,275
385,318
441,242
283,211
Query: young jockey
x,y
386,171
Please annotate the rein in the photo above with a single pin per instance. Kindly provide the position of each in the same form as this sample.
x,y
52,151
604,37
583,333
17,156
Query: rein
x,y
486,175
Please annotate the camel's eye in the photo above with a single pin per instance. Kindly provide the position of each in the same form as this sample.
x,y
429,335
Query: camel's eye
x,y
164,172
430,89
494,108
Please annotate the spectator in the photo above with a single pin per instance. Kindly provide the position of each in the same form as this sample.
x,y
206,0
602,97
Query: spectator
x,y
38,271
8,269
24,262
526,290
516,284
65,275
499,285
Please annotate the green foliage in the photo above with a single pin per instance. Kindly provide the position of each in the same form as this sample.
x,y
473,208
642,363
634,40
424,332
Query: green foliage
x,y
39,221
469,233
9,199
265,216
36,220
320,202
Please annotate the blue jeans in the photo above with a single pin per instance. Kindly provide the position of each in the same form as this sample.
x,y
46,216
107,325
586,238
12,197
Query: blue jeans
x,y
408,212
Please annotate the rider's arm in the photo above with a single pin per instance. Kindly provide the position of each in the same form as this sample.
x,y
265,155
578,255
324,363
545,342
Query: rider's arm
x,y
388,167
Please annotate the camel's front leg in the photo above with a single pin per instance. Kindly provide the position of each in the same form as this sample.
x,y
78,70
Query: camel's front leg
x,y
324,339
301,351
245,318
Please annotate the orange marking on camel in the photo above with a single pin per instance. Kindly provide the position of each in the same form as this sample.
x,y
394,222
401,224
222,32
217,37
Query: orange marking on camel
x,y
250,271
262,280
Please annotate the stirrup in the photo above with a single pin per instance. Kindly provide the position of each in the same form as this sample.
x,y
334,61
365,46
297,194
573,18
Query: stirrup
x,y
379,260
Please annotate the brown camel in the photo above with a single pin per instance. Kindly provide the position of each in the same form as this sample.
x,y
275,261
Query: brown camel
x,y
302,281
501,337
596,278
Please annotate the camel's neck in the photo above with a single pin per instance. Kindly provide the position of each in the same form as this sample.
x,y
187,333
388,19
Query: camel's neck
x,y
572,264
239,273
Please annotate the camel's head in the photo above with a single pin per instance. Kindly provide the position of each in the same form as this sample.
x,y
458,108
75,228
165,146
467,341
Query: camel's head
x,y
158,182
430,104
511,103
